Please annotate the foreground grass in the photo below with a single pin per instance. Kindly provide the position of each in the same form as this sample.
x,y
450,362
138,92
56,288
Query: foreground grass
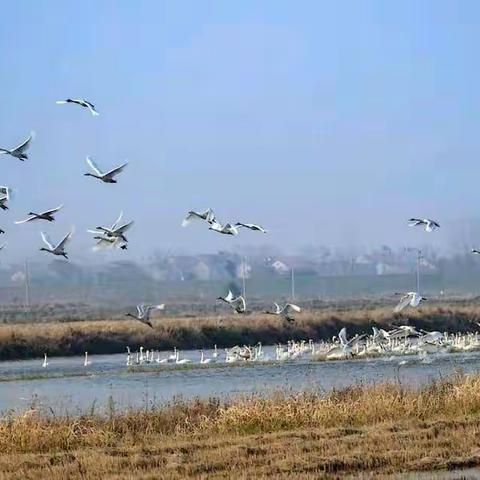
x,y
376,430
103,336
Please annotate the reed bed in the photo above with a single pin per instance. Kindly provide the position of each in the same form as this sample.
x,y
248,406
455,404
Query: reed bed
x,y
372,430
104,336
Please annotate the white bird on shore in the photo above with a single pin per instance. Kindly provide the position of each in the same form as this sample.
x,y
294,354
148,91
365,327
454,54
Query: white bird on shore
x,y
5,195
409,298
251,226
114,230
45,361
143,313
430,225
285,311
82,102
106,177
19,152
58,249
48,215
207,215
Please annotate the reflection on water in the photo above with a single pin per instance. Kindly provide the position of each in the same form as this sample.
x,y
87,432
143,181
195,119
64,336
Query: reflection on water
x,y
108,377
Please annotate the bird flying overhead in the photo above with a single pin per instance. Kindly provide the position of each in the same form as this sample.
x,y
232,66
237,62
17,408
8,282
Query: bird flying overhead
x,y
47,215
251,226
82,102
106,177
429,224
19,152
59,248
143,313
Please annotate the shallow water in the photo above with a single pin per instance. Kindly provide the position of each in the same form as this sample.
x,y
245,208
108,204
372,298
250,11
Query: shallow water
x,y
69,387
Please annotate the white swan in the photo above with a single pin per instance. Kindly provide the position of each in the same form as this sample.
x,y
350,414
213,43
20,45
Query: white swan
x,y
47,215
430,225
45,361
237,303
82,102
115,230
86,361
5,195
226,229
107,241
183,360
251,226
106,177
19,152
204,360
207,215
143,313
285,311
409,298
58,249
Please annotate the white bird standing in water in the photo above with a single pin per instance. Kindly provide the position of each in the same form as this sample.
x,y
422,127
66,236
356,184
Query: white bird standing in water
x,y
58,249
143,313
430,225
48,215
82,102
86,362
19,152
45,361
409,298
106,177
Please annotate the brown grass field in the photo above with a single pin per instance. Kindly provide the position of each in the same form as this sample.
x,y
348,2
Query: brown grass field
x,y
375,430
26,340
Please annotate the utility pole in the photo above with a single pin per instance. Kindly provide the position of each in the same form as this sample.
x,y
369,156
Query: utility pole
x,y
27,286
293,284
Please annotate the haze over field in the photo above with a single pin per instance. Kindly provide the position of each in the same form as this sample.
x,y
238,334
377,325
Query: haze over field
x,y
328,122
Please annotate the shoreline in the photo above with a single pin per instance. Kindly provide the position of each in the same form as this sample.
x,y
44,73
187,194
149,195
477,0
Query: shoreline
x,y
23,341
376,430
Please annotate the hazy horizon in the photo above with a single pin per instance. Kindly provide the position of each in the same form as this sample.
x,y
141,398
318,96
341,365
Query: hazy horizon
x,y
329,123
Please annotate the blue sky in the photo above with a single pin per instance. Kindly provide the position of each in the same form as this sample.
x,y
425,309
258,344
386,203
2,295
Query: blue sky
x,y
327,122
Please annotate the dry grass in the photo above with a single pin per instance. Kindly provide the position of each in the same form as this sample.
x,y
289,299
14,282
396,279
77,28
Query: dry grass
x,y
102,336
376,430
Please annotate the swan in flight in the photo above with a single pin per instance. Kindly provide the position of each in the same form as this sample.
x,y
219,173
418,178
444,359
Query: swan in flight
x,y
106,177
115,230
5,194
285,311
237,303
208,216
47,215
82,102
226,229
251,226
107,241
19,152
409,298
474,250
58,249
430,225
143,313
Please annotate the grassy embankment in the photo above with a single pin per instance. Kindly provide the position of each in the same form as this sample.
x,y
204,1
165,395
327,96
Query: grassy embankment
x,y
364,429
74,338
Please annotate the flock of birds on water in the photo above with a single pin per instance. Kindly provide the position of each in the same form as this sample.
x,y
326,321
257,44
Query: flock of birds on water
x,y
402,340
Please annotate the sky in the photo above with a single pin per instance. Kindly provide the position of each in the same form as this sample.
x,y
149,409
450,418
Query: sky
x,y
326,122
